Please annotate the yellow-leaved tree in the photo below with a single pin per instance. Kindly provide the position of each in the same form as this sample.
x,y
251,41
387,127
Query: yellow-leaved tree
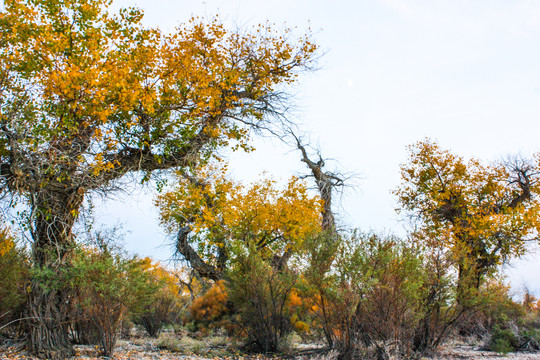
x,y
217,219
87,96
245,235
484,214
13,276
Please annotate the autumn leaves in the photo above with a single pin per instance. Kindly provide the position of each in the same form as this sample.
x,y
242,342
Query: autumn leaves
x,y
484,214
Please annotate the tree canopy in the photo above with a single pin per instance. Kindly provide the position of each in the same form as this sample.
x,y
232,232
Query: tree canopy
x,y
87,96
484,214
218,219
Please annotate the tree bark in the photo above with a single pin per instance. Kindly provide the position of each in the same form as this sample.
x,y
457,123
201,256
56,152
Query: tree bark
x,y
48,312
49,301
195,261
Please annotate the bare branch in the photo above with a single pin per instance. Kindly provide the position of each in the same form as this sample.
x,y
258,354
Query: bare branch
x,y
326,182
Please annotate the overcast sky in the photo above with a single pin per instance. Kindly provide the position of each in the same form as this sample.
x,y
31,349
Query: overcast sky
x,y
464,73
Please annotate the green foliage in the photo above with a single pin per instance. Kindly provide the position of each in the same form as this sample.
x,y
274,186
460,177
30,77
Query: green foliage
x,y
159,313
109,287
166,302
392,306
491,308
503,341
260,295
511,326
529,338
14,272
334,280
373,292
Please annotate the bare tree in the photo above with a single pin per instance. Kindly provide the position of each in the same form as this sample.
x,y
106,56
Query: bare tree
x,y
327,182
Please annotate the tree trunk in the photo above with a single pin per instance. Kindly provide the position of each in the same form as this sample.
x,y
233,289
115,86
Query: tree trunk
x,y
49,314
49,301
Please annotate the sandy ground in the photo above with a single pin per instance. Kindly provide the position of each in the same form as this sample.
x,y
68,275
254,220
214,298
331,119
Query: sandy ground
x,y
126,351
470,352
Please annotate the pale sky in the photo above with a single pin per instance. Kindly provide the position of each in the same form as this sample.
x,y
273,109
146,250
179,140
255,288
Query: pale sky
x,y
464,73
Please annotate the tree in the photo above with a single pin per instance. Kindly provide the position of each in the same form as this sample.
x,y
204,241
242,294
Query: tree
x,y
326,181
87,97
484,214
217,219
245,235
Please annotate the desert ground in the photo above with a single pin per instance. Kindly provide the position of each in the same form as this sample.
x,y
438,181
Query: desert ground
x,y
147,350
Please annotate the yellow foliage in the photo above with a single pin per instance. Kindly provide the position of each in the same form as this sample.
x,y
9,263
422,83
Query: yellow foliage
x,y
294,299
483,213
7,241
166,278
105,85
301,326
211,305
228,215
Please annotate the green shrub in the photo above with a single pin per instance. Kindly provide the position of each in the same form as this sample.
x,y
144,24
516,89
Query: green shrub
x,y
529,339
165,307
259,294
503,341
14,272
377,293
109,287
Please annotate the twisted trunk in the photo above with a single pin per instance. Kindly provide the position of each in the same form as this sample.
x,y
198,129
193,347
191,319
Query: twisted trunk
x,y
49,301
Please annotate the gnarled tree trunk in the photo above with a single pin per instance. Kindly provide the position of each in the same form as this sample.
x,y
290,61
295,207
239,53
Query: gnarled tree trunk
x,y
49,301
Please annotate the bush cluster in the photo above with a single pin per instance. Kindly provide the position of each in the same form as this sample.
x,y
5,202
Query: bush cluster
x,y
364,295
110,291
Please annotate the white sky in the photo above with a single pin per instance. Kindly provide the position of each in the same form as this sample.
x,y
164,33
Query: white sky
x,y
464,73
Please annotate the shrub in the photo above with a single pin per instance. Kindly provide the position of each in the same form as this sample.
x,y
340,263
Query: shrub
x,y
503,341
391,308
165,305
490,307
14,272
260,294
335,285
210,309
378,294
529,339
211,346
109,286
